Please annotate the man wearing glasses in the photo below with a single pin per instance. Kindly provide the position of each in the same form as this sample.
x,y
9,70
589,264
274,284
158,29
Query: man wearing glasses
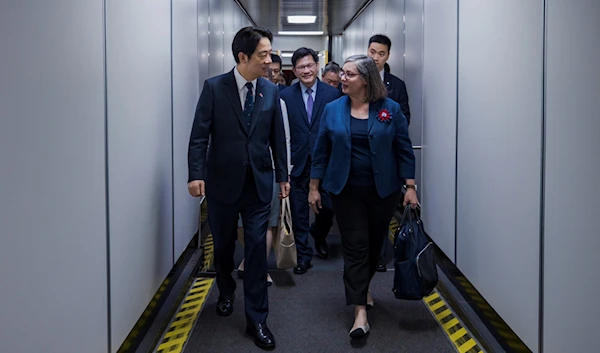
x,y
305,101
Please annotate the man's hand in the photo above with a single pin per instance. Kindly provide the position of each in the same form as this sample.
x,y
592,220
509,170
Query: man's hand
x,y
196,188
285,190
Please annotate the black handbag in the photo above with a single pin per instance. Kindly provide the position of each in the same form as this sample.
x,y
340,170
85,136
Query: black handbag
x,y
415,267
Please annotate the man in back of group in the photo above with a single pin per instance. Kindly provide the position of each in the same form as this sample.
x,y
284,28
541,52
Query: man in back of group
x,y
305,102
379,51
275,69
331,74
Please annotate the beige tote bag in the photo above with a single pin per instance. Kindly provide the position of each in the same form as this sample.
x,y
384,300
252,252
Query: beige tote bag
x,y
284,244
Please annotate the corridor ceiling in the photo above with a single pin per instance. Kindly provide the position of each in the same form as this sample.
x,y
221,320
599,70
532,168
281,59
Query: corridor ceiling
x,y
332,15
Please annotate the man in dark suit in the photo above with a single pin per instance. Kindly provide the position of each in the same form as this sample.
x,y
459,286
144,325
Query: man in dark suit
x,y
379,51
305,101
275,71
240,111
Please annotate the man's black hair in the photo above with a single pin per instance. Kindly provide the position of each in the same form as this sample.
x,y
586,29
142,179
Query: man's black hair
x,y
381,39
302,52
246,40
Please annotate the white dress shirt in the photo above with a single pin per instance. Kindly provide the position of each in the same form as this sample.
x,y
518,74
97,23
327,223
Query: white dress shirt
x,y
241,86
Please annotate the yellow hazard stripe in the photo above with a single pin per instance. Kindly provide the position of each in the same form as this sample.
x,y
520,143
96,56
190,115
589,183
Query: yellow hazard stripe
x,y
181,327
456,332
185,319
393,226
209,250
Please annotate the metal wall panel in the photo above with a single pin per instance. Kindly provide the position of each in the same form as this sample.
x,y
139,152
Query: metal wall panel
x,y
572,195
215,38
413,67
185,97
439,122
499,156
52,184
230,9
203,42
394,29
140,156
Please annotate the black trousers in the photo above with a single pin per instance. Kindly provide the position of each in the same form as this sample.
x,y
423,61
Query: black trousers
x,y
223,220
363,218
301,212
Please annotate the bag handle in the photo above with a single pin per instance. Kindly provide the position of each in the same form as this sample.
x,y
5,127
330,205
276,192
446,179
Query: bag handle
x,y
285,216
406,214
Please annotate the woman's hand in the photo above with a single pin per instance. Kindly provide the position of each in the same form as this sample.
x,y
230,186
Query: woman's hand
x,y
314,200
410,198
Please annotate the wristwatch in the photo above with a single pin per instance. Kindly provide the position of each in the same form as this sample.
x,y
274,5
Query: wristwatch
x,y
411,187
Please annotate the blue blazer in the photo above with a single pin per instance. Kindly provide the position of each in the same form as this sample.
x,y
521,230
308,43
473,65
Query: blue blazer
x,y
302,133
233,147
391,148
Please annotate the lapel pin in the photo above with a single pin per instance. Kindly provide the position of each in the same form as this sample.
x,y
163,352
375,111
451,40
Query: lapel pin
x,y
260,94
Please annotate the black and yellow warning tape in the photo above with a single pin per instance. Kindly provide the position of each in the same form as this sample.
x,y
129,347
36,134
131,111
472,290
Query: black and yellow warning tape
x,y
499,326
458,334
209,250
180,329
183,323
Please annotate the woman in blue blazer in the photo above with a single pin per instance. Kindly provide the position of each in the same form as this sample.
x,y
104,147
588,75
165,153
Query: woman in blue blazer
x,y
363,157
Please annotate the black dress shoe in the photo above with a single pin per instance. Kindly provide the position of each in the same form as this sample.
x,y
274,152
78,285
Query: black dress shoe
x,y
225,305
262,336
321,248
381,268
302,268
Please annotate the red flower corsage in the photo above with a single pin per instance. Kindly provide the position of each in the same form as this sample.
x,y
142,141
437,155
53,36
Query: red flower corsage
x,y
384,116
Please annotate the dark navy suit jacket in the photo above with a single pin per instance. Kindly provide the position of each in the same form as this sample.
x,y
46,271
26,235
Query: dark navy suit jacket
x,y
391,148
304,135
397,92
233,148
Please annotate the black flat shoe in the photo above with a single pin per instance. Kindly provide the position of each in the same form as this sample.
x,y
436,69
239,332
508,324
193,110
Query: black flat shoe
x,y
225,305
240,274
360,331
263,337
381,268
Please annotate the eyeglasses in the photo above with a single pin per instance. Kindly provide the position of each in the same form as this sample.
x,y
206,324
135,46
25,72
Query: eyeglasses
x,y
348,75
307,66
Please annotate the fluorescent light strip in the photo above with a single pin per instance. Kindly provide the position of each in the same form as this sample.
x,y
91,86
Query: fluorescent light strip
x,y
300,33
302,19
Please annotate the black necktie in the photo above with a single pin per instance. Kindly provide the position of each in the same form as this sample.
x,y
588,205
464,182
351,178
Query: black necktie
x,y
248,105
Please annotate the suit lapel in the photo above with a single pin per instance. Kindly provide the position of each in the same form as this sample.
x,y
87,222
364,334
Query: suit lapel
x,y
234,98
318,102
386,80
258,103
345,114
300,102
373,109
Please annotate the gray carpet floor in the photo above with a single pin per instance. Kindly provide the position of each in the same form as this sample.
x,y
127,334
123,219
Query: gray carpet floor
x,y
307,313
